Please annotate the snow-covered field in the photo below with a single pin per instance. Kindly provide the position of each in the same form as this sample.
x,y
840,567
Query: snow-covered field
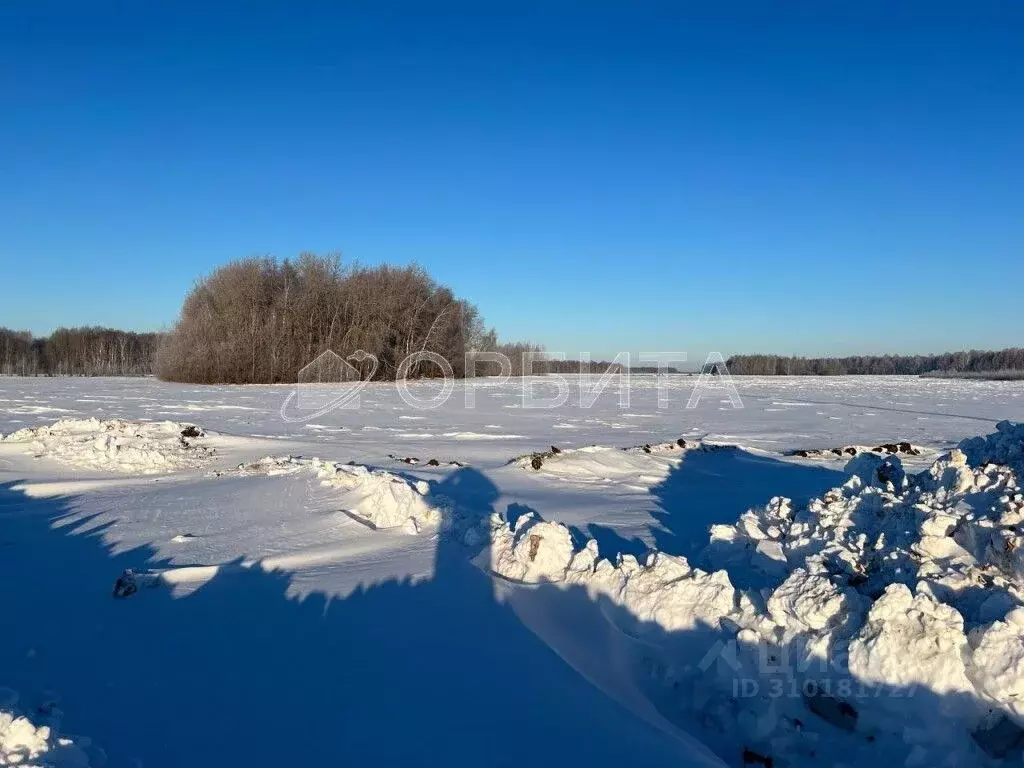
x,y
441,587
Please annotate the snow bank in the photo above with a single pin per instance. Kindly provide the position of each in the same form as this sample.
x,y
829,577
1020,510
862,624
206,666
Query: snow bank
x,y
134,447
892,607
25,744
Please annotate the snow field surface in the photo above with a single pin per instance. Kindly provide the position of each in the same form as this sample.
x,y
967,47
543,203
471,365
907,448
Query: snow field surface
x,y
719,592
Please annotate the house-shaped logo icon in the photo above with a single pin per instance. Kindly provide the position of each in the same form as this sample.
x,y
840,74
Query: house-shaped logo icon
x,y
329,381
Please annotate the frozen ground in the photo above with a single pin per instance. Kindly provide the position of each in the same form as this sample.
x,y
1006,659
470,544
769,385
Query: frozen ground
x,y
292,608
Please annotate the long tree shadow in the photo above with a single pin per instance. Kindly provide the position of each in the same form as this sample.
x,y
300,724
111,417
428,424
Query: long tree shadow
x,y
436,672
717,486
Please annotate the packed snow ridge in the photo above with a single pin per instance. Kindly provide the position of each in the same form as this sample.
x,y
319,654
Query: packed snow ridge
x,y
892,607
30,745
376,498
136,447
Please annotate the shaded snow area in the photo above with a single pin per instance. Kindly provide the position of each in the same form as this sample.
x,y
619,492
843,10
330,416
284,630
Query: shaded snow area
x,y
36,742
831,576
116,444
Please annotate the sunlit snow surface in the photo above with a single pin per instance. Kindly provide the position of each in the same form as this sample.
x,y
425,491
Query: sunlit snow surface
x,y
314,613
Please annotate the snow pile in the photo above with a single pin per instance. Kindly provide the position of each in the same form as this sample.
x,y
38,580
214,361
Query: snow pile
x,y
1004,446
383,500
531,551
272,466
24,744
911,640
136,447
892,607
377,498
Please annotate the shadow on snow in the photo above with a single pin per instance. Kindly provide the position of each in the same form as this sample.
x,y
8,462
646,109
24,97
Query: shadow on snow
x,y
718,485
238,673
458,670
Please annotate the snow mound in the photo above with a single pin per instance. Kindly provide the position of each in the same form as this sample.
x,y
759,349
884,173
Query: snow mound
x,y
135,447
271,466
25,744
377,498
532,551
383,500
596,463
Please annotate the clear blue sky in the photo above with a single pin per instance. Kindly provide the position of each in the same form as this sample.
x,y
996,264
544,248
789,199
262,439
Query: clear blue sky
x,y
800,177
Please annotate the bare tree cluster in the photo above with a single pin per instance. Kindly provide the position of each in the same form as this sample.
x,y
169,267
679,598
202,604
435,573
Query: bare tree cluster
x,y
82,351
261,320
973,361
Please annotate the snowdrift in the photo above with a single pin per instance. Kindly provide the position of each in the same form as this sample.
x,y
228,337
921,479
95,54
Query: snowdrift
x,y
891,609
134,447
28,745
376,498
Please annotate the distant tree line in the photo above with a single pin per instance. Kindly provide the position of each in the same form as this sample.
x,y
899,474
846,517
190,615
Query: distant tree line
x,y
973,361
85,351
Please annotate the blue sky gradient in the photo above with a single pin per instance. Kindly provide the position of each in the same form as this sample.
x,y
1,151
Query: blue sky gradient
x,y
796,177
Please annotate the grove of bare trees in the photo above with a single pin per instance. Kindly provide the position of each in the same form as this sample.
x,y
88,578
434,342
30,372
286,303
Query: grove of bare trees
x,y
261,320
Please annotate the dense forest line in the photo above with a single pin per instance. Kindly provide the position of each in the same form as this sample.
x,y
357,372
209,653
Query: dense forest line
x,y
85,351
973,361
